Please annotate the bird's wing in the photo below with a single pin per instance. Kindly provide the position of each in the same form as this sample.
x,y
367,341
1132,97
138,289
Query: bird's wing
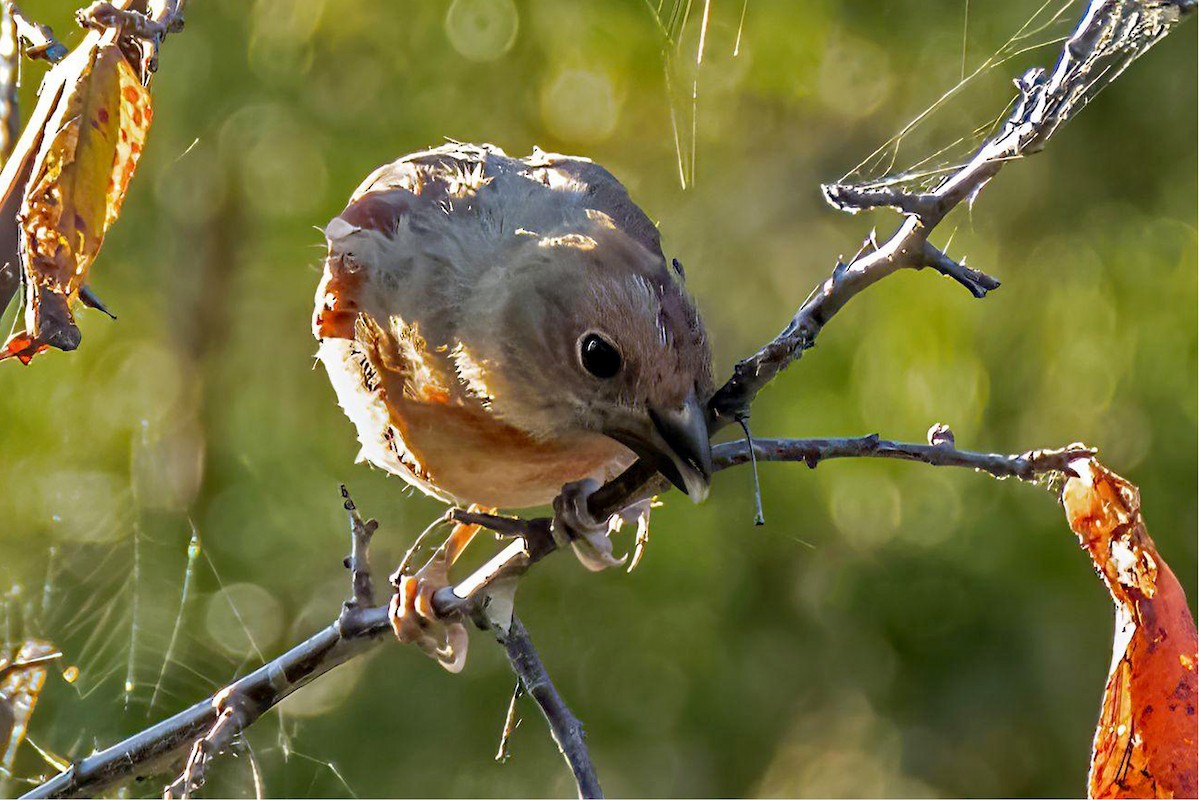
x,y
374,308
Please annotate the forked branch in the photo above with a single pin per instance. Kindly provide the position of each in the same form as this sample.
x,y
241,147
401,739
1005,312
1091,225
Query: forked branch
x,y
358,630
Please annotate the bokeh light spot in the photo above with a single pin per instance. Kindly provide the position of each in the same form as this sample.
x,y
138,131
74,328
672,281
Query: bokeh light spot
x,y
84,506
244,619
323,696
580,105
482,30
865,509
283,169
854,78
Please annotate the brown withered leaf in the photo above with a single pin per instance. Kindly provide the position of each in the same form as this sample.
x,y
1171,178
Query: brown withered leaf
x,y
1145,743
21,680
93,138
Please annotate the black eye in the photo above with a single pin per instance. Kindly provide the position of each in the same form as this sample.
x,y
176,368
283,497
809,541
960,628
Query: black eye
x,y
599,356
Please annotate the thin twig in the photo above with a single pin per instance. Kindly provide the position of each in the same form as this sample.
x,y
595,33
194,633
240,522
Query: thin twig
x,y
1027,466
564,727
1046,102
37,40
158,747
161,18
235,712
358,562
151,27
511,723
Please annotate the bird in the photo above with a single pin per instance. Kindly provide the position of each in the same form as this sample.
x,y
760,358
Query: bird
x,y
504,331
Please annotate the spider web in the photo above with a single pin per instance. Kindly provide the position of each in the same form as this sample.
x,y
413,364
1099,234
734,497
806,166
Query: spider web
x,y
128,615
942,137
1117,32
684,27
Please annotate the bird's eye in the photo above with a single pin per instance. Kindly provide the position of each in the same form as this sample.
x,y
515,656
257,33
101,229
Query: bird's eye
x,y
599,356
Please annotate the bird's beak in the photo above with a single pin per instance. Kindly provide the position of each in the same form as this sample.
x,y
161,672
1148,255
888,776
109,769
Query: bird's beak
x,y
675,441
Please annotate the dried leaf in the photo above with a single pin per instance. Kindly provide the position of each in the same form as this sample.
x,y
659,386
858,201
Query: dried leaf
x,y
93,139
21,682
1145,743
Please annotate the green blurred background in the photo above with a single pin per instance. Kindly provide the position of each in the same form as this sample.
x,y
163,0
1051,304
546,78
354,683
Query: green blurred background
x,y
894,630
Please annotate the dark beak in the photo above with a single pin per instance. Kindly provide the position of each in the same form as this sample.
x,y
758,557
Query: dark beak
x,y
676,442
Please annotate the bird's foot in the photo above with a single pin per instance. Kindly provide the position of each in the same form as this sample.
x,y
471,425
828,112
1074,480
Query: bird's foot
x,y
574,524
411,609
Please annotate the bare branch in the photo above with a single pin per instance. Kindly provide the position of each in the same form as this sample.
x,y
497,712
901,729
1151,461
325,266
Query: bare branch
x,y
37,40
564,727
1027,466
162,17
1108,32
151,27
156,748
976,282
235,712
853,199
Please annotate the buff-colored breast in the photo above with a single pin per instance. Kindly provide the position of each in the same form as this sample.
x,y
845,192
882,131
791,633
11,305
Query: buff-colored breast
x,y
457,451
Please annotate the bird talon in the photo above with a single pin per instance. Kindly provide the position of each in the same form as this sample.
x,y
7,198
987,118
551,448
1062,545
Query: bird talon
x,y
573,523
411,612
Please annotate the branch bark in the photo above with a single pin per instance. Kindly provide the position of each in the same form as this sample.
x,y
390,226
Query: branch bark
x,y
566,730
37,40
163,17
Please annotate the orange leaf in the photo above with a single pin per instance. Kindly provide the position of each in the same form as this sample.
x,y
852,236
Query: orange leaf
x,y
89,150
1145,743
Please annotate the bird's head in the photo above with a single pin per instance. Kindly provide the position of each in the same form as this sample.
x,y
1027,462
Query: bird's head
x,y
596,334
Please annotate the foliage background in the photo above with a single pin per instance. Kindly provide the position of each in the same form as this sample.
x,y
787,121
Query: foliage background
x,y
894,630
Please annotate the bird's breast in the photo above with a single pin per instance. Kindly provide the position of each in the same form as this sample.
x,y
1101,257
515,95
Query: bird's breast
x,y
448,443
423,407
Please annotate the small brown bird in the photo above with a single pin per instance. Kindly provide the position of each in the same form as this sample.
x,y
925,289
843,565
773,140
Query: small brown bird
x,y
497,328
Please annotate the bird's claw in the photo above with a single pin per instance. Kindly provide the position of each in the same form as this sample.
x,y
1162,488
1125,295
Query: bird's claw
x,y
411,611
587,536
637,514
